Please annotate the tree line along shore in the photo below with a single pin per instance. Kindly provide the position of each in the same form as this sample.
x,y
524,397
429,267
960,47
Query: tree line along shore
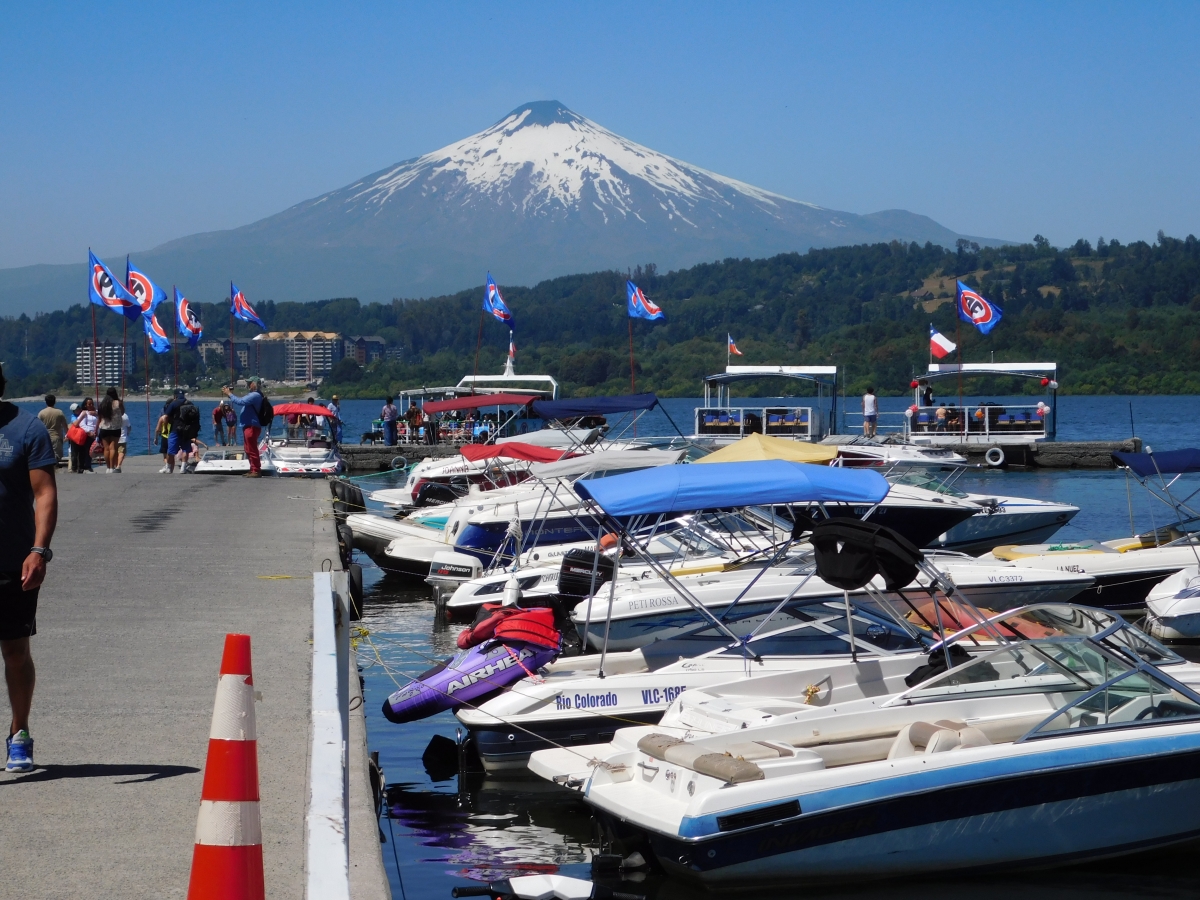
x,y
1118,318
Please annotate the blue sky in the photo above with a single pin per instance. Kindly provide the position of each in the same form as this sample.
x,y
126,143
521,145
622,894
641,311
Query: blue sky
x,y
126,125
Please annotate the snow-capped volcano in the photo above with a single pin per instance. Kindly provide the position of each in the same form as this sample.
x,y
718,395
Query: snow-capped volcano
x,y
546,160
543,192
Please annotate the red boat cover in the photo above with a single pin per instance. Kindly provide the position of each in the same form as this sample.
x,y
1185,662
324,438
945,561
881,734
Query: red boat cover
x,y
301,409
478,401
512,450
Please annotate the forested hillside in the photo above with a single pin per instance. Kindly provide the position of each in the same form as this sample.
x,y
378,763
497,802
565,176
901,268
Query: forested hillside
x,y
1118,318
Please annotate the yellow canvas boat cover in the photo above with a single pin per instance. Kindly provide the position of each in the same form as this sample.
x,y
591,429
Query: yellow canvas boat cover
x,y
760,446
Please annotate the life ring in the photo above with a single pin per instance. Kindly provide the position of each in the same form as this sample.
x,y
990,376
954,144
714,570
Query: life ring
x,y
994,457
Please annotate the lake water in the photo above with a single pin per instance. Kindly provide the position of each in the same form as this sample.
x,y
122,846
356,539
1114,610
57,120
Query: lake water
x,y
440,834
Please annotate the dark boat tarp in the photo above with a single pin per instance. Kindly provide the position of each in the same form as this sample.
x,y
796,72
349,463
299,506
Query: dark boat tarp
x,y
477,401
593,406
1169,462
723,485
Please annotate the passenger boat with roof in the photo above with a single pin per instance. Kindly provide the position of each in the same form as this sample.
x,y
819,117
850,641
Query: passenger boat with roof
x,y
984,423
719,421
1038,751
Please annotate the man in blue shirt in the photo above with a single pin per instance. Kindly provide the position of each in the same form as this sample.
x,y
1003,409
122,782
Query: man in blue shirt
x,y
247,407
28,514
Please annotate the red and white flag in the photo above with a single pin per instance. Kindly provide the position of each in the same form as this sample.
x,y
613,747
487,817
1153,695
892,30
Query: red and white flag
x,y
732,346
940,345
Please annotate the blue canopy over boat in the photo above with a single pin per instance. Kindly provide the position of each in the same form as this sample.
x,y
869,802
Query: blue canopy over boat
x,y
670,489
593,406
1169,462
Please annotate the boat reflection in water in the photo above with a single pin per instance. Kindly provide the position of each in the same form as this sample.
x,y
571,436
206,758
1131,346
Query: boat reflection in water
x,y
496,829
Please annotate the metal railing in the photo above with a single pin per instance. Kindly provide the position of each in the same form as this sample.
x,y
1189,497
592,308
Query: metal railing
x,y
327,820
981,424
885,423
738,421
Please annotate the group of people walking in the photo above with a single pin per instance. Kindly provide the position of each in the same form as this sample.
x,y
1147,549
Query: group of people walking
x,y
108,424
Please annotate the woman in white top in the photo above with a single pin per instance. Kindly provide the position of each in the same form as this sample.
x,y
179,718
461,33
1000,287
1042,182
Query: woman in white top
x,y
81,454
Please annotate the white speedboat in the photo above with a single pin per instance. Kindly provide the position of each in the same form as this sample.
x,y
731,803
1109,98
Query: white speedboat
x,y
999,520
1173,606
772,694
890,451
631,614
584,699
230,461
1125,570
301,442
1041,752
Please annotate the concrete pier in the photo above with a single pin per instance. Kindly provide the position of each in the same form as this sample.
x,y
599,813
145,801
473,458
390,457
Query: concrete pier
x,y
150,572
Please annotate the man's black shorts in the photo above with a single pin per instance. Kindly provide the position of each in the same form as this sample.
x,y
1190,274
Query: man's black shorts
x,y
18,608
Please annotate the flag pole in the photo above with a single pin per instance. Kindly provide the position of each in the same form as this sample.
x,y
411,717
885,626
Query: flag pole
x,y
958,341
149,446
478,344
95,378
632,379
124,350
174,351
232,379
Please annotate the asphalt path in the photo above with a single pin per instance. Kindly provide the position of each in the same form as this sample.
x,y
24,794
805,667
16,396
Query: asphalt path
x,y
150,572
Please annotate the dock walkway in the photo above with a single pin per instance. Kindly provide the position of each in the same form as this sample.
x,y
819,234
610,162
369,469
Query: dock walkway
x,y
150,572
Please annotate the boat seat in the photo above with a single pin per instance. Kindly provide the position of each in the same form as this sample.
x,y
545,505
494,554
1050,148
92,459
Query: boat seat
x,y
919,738
734,766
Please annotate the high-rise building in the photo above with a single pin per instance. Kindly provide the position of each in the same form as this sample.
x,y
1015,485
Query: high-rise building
x,y
110,361
297,355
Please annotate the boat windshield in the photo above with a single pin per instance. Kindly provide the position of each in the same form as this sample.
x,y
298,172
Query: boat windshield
x,y
1063,666
803,627
927,481
1131,699
1062,620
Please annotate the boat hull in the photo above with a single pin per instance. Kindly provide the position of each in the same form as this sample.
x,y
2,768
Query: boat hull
x,y
981,533
1044,816
504,748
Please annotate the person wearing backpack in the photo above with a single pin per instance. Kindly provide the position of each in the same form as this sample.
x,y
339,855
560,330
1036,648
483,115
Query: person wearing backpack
x,y
254,412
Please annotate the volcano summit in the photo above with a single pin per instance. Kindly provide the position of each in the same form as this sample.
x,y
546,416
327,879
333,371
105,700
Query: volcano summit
x,y
543,192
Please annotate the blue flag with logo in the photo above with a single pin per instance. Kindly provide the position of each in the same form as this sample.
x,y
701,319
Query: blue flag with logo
x,y
493,303
186,321
159,342
106,291
240,309
639,306
973,307
145,291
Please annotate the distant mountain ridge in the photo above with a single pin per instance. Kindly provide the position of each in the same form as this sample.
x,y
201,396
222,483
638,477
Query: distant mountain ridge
x,y
541,193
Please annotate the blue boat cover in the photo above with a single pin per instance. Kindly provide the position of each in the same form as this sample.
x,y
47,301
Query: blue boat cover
x,y
593,406
669,489
1169,462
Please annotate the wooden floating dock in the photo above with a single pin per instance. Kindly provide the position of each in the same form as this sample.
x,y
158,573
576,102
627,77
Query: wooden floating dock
x,y
1030,455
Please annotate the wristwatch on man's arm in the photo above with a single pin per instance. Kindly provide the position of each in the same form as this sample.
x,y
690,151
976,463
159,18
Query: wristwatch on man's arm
x,y
44,552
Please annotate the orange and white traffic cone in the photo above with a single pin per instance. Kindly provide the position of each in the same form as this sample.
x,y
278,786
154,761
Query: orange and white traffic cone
x,y
227,862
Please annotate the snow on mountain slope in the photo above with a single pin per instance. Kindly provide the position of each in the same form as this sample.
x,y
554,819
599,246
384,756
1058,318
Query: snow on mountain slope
x,y
559,152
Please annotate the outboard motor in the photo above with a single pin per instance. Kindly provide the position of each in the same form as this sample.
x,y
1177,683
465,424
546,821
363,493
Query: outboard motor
x,y
575,576
432,493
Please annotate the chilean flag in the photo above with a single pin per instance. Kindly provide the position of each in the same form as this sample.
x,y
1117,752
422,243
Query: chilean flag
x,y
240,309
186,321
493,303
732,346
940,345
639,306
974,308
106,291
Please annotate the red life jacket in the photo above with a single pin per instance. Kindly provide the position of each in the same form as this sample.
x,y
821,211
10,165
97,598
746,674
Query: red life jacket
x,y
534,626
